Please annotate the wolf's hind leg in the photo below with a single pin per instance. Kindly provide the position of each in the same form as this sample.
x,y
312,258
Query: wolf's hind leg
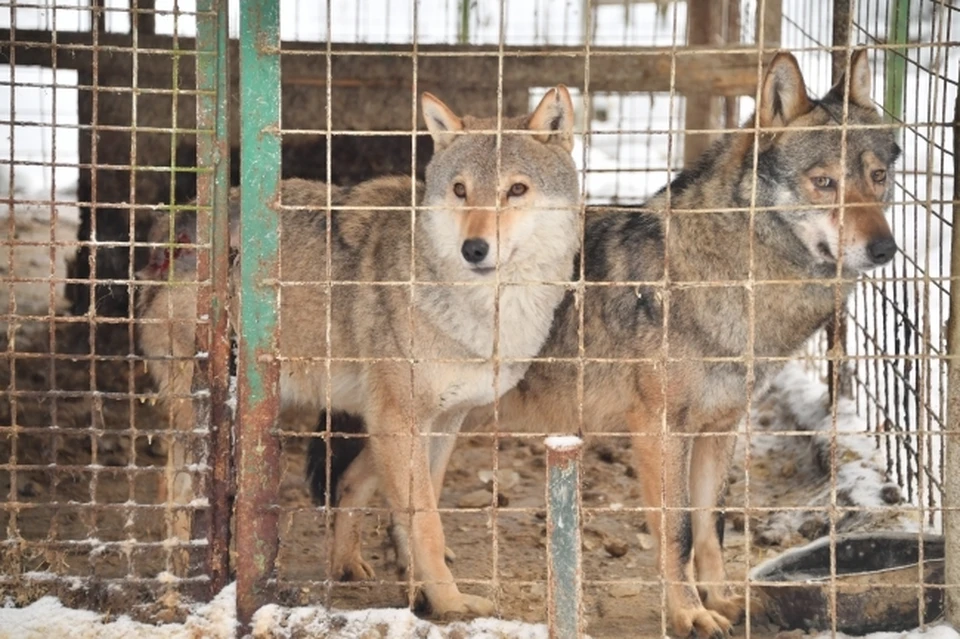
x,y
709,465
356,488
663,465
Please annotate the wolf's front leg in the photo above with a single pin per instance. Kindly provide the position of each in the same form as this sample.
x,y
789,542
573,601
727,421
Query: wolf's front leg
x,y
663,463
401,458
441,442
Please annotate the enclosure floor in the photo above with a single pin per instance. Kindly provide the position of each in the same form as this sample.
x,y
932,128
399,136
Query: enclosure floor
x,y
627,609
505,547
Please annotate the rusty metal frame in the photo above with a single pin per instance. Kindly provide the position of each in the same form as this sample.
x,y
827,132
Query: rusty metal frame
x,y
258,467
213,372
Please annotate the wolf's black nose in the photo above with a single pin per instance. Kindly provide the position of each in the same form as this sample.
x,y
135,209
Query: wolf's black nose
x,y
882,251
474,250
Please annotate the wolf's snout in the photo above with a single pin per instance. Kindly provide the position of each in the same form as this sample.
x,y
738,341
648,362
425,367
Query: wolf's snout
x,y
882,251
475,250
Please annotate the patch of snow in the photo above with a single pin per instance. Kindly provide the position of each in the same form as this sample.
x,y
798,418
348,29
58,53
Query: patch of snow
x,y
47,617
940,631
390,623
794,441
563,442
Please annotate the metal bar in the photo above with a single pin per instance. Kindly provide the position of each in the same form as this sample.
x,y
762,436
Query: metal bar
x,y
951,471
564,591
258,471
213,190
896,66
839,375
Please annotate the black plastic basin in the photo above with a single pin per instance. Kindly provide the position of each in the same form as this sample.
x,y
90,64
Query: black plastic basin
x,y
878,585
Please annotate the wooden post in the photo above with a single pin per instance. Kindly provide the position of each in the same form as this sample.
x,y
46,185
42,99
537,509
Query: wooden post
x,y
951,471
770,23
703,111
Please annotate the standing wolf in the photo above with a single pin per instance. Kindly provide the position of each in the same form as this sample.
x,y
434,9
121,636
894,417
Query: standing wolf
x,y
696,299
420,312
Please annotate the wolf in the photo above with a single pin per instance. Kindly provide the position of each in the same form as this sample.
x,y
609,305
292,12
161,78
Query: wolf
x,y
692,302
427,318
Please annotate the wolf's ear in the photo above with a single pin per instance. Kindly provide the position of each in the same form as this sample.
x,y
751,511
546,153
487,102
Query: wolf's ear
x,y
441,121
784,95
860,83
553,118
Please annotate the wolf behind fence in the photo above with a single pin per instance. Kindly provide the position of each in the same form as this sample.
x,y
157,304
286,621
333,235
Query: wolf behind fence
x,y
684,314
498,220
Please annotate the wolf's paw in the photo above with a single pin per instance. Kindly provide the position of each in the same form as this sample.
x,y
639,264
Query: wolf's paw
x,y
700,622
354,569
449,556
463,606
729,607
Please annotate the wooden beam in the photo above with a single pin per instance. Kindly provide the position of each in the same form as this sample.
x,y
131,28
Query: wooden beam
x,y
145,17
627,69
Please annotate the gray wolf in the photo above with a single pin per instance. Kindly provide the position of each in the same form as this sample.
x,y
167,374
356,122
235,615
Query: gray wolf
x,y
692,303
415,307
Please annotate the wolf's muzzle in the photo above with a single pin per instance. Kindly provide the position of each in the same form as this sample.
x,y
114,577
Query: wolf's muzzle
x,y
882,251
475,250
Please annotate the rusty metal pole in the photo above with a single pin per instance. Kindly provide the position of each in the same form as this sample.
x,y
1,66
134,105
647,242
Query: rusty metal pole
x,y
951,471
258,468
564,591
213,191
839,375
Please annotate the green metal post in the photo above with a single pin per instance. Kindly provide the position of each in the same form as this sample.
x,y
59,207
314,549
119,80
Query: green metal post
x,y
564,609
213,191
896,67
258,470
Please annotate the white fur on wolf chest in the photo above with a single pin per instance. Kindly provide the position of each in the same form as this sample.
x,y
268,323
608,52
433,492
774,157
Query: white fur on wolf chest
x,y
464,329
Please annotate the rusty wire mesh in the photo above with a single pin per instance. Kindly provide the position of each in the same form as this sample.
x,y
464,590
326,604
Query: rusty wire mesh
x,y
86,447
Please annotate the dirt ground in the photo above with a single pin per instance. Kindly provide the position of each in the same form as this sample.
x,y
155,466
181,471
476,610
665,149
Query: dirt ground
x,y
81,472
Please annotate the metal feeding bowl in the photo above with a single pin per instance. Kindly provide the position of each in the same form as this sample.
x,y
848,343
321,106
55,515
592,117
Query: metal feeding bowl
x,y
878,583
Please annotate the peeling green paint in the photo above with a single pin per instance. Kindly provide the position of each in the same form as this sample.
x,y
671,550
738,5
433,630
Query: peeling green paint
x,y
258,368
563,541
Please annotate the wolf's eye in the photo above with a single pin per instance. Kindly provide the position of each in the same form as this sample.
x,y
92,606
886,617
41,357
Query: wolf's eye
x,y
879,176
517,189
824,183
460,190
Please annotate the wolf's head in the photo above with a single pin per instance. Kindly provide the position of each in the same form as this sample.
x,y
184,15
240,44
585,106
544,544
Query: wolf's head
x,y
829,176
481,213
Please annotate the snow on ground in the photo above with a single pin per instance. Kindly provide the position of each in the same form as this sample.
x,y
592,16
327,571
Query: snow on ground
x,y
315,621
217,620
47,617
941,631
790,441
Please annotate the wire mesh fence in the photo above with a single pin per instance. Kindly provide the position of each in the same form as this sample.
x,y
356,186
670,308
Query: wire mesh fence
x,y
171,340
